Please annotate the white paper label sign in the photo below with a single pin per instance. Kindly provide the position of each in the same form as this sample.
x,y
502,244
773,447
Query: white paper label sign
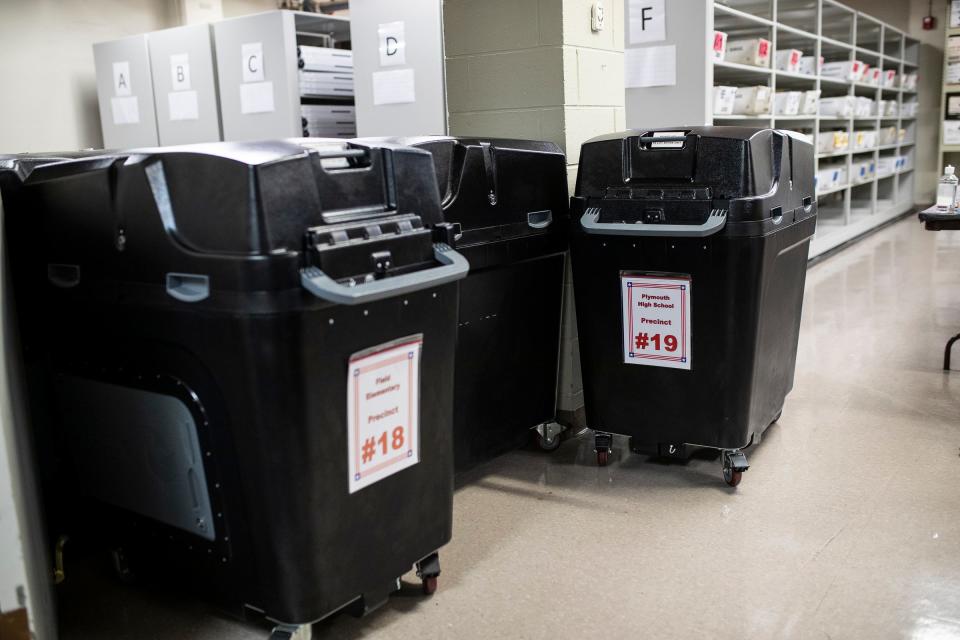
x,y
126,110
951,132
183,105
252,60
648,21
393,87
650,67
256,97
383,411
121,79
393,44
180,72
656,320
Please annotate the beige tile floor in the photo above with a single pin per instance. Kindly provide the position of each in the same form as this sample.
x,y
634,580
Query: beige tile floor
x,y
846,526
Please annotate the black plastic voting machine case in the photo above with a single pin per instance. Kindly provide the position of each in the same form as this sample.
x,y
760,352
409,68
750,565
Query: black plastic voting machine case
x,y
251,352
689,251
507,201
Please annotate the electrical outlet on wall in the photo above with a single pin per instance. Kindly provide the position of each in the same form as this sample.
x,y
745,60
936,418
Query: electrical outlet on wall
x,y
596,16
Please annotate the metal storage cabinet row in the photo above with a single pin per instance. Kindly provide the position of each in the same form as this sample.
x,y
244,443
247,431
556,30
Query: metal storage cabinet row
x,y
237,79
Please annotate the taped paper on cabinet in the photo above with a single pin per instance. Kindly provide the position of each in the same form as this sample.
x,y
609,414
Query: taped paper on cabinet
x,y
650,67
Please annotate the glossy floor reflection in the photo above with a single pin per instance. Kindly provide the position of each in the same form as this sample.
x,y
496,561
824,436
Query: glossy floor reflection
x,y
847,524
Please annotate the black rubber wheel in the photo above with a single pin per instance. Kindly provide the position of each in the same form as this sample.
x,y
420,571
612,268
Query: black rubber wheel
x,y
548,445
732,477
603,457
430,584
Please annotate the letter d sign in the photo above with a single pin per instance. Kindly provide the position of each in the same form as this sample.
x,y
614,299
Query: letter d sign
x,y
393,44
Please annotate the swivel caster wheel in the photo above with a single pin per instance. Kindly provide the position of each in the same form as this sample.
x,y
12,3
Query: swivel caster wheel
x,y
291,632
603,446
548,436
428,570
734,464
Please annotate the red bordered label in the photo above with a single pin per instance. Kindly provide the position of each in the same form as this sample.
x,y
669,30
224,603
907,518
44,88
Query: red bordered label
x,y
656,320
383,411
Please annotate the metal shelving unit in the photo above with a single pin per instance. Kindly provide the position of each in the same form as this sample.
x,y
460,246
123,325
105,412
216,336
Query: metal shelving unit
x,y
949,153
817,27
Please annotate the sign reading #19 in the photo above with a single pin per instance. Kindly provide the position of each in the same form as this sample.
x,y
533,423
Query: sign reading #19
x,y
656,320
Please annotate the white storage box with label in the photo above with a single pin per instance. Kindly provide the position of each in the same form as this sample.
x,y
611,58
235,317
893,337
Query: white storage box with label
x,y
752,51
887,135
810,65
831,177
719,48
787,103
838,107
809,102
891,108
909,81
317,83
833,141
864,140
752,100
325,59
906,162
886,165
789,60
888,78
849,70
863,107
862,171
908,109
723,100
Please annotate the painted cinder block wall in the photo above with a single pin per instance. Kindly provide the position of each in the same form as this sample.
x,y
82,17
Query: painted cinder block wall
x,y
535,69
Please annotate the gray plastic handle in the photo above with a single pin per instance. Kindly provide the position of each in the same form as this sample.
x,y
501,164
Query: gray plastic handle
x,y
454,267
590,221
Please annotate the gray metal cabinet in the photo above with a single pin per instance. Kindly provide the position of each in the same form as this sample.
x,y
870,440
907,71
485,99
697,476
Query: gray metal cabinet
x,y
125,93
185,84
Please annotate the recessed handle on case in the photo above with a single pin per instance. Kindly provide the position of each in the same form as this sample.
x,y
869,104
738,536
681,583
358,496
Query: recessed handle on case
x,y
539,219
188,287
64,276
590,221
453,266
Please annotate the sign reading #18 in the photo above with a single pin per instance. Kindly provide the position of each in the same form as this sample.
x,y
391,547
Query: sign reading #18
x,y
383,411
656,320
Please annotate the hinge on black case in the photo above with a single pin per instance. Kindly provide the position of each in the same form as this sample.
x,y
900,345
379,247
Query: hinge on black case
x,y
490,169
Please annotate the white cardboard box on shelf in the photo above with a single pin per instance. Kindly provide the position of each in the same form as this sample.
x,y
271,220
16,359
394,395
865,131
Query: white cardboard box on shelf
x,y
887,135
833,141
719,48
752,101
811,65
886,165
723,97
787,103
864,140
863,107
865,74
830,177
906,162
789,60
888,78
752,51
908,109
809,102
837,107
863,171
848,70
908,81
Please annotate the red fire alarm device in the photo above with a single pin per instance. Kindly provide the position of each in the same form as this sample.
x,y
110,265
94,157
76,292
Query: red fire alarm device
x,y
929,22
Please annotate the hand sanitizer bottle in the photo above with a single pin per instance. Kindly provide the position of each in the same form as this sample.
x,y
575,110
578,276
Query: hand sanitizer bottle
x,y
947,190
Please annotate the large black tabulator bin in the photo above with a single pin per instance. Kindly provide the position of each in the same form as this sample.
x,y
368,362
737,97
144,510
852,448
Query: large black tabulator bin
x,y
251,350
507,200
689,257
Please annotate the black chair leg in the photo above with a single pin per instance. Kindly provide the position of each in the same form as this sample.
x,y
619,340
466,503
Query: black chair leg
x,y
946,352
